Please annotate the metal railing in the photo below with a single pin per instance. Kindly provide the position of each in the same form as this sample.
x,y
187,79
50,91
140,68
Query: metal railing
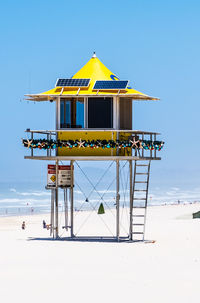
x,y
137,152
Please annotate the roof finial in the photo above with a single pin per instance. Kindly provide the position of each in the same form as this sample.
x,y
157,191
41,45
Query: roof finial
x,y
94,55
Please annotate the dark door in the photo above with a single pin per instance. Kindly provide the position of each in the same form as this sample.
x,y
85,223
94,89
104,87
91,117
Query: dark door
x,y
100,113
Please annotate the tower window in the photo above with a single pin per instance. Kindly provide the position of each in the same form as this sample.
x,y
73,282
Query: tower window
x,y
71,113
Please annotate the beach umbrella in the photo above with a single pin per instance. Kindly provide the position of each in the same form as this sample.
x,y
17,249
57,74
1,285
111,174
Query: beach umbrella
x,y
101,209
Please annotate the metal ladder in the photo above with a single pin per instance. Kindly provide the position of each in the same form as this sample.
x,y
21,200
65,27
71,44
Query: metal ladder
x,y
140,198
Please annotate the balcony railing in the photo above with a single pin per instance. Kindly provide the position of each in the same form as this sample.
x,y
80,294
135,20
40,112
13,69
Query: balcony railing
x,y
142,144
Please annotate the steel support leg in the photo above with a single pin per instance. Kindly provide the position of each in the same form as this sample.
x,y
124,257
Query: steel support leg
x,y
117,200
72,198
131,199
52,212
56,202
66,208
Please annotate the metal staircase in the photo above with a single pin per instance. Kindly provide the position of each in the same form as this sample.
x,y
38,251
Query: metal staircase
x,y
138,209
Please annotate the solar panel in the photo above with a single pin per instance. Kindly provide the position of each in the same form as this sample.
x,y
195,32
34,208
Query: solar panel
x,y
73,82
109,84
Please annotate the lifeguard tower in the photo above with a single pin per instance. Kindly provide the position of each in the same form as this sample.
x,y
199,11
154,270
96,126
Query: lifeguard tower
x,y
94,123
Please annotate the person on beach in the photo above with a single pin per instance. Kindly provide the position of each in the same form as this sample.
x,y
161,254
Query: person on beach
x,y
44,224
23,225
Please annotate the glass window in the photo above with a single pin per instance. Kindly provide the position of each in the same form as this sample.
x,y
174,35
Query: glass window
x,y
80,114
71,113
68,113
62,112
100,112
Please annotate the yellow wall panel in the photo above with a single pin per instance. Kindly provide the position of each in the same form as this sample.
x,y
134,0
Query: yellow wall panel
x,y
88,151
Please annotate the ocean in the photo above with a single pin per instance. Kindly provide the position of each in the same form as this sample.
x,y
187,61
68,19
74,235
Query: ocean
x,y
32,198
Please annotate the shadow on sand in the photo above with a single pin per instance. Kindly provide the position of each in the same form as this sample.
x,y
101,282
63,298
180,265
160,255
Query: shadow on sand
x,y
90,239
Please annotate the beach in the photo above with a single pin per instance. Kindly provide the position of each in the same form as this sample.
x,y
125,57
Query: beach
x,y
35,268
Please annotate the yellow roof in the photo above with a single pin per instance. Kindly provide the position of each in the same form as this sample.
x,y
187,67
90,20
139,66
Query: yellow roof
x,y
95,70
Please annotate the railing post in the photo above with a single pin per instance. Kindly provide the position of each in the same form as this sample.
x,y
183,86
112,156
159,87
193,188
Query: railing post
x,y
151,148
142,148
47,148
117,149
50,145
135,147
31,146
154,148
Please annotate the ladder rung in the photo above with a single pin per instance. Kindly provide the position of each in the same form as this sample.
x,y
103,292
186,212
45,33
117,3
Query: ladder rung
x,y
138,215
141,173
137,233
139,198
142,164
139,207
140,190
138,224
140,181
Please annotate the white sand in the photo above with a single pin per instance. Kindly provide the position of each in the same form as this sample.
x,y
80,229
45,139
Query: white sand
x,y
51,271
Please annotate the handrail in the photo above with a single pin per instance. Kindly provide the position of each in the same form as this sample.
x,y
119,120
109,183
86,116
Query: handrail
x,y
91,130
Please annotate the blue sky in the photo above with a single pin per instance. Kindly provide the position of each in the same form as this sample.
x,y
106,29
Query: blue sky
x,y
155,44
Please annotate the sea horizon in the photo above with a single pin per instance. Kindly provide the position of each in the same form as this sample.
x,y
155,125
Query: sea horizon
x,y
25,198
